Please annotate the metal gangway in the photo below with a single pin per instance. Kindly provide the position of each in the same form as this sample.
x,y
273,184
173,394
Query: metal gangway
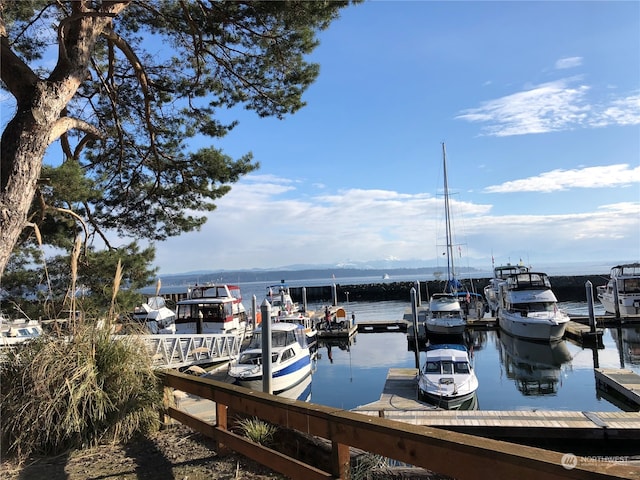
x,y
181,350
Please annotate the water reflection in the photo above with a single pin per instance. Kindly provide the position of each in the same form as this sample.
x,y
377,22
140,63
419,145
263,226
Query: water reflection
x,y
535,367
628,342
301,391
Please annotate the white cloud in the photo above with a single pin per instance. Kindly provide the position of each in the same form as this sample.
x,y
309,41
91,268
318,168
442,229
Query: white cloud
x,y
551,107
257,226
568,62
619,175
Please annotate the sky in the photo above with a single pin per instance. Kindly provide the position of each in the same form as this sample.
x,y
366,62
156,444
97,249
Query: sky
x,y
538,105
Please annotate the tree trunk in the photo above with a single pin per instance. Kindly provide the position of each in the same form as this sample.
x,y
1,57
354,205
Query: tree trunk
x,y
23,147
37,121
24,143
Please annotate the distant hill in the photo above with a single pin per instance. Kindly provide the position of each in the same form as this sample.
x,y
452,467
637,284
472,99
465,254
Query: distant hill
x,y
241,276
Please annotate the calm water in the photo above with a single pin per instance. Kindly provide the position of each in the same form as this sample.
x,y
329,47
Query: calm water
x,y
513,374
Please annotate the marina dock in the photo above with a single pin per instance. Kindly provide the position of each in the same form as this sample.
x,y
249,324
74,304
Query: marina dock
x,y
625,383
605,432
399,402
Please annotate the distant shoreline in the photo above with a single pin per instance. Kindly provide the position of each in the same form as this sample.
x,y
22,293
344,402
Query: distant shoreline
x,y
567,288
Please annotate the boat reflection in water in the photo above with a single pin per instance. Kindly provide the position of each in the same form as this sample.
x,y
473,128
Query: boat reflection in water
x,y
302,391
628,342
536,367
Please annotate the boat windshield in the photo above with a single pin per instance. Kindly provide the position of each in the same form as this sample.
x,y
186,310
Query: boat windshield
x,y
526,308
528,280
255,358
278,339
449,314
447,367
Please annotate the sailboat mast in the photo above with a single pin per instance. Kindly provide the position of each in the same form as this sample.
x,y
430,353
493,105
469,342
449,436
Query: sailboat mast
x,y
450,267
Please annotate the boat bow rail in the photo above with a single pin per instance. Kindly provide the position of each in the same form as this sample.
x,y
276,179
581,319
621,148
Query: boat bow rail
x,y
176,351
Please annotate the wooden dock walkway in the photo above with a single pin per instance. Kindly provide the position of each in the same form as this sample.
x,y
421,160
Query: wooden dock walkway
x,y
623,382
399,402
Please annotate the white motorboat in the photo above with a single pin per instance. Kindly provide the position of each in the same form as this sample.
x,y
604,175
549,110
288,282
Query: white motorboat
x,y
290,359
15,332
281,302
212,308
627,279
529,308
445,314
447,379
535,367
307,323
155,316
500,275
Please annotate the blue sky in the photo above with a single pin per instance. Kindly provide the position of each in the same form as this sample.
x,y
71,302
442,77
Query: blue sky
x,y
538,104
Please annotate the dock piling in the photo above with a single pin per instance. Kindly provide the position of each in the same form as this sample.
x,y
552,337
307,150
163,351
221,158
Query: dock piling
x,y
592,317
414,314
265,311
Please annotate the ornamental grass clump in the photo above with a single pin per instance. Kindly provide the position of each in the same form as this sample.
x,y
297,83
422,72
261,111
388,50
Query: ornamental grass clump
x,y
59,393
258,431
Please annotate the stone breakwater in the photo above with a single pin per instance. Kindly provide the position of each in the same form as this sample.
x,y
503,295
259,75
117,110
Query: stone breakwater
x,y
566,289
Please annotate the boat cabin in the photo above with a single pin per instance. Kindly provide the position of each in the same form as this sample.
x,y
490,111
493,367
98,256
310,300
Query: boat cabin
x,y
528,281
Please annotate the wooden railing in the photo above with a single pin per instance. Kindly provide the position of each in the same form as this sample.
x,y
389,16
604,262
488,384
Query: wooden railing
x,y
458,455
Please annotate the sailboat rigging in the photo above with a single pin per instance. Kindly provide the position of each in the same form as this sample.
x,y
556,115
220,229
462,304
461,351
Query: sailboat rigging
x,y
452,284
445,315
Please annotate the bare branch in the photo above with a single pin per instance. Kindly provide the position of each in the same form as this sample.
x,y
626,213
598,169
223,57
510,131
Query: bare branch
x,y
138,68
64,124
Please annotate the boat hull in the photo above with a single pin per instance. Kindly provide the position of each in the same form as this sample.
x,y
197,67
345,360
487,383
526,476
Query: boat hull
x,y
282,379
468,401
533,328
627,306
440,327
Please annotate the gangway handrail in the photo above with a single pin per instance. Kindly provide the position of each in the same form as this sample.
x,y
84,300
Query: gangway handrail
x,y
184,350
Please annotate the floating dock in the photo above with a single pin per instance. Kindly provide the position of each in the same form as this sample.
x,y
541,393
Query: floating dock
x,y
374,326
625,383
399,402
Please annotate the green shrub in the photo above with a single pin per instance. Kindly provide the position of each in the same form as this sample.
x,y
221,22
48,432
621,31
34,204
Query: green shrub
x,y
58,394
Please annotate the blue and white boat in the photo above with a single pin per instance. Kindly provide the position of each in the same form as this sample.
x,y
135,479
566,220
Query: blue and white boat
x,y
447,379
290,359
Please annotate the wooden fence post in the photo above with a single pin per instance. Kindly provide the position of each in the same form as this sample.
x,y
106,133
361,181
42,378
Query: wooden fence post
x,y
340,460
221,423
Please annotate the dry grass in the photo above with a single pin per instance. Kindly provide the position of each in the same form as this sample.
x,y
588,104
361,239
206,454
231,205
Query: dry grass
x,y
58,394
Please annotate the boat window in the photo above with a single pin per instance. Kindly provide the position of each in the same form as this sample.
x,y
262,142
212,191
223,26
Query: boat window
x,y
461,367
631,285
279,339
256,340
274,357
213,313
287,354
250,358
432,367
541,307
447,367
184,311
